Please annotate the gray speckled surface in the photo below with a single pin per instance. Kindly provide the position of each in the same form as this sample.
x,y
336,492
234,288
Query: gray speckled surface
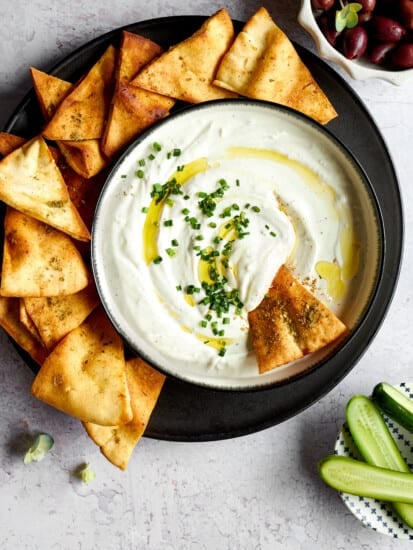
x,y
260,491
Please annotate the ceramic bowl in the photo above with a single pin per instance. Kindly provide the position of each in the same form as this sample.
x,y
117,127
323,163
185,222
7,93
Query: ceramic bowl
x,y
359,69
304,152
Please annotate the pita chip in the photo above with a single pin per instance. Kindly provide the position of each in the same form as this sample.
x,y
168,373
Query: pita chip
x,y
85,374
83,156
133,109
50,91
39,260
56,316
186,70
82,114
262,63
10,322
31,182
117,443
290,322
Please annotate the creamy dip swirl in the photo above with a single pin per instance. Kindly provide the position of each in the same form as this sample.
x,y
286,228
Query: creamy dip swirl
x,y
205,213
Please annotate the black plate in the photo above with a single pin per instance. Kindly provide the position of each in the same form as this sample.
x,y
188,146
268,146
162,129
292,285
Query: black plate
x,y
191,413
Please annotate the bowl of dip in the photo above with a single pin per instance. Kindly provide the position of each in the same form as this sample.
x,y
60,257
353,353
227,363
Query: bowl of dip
x,y
199,214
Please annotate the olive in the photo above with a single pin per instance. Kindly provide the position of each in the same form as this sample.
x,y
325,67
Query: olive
x,y
326,24
386,29
368,5
355,42
379,53
322,4
406,12
402,56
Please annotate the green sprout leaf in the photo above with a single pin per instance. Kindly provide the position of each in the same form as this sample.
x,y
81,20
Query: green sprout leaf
x,y
347,17
36,453
85,473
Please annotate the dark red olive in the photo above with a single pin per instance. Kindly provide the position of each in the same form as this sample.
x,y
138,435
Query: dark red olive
x,y
355,42
326,23
406,13
380,52
385,29
402,56
365,17
322,4
368,5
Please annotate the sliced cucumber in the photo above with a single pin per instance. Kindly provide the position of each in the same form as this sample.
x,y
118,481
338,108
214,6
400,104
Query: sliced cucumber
x,y
376,444
395,404
372,436
358,478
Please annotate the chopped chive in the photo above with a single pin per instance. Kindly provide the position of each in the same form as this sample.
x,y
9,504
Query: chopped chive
x,y
178,287
142,162
169,202
176,152
168,223
226,320
185,211
151,156
157,260
157,147
213,225
123,176
145,210
273,234
221,332
222,352
204,324
171,252
174,242
256,209
199,237
140,173
180,168
186,197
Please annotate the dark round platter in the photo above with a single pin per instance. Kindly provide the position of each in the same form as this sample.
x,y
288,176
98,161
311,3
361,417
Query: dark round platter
x,y
186,412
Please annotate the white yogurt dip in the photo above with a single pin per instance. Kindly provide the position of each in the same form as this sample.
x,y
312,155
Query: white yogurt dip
x,y
200,215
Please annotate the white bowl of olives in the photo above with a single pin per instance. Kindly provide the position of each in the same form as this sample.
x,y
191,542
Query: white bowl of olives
x,y
368,38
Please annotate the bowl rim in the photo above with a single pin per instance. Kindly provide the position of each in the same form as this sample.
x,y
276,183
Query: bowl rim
x,y
337,350
357,69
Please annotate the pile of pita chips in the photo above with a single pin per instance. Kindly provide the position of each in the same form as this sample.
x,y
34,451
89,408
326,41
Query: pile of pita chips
x,y
290,322
186,71
262,63
145,385
48,304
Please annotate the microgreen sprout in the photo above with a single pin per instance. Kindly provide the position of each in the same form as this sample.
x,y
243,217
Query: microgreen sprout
x,y
36,453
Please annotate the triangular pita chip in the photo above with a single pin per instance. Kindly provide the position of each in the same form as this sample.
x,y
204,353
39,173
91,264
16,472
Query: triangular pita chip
x,y
132,109
9,142
50,91
186,70
39,260
54,317
10,322
85,375
31,182
82,113
290,322
117,444
262,63
84,156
